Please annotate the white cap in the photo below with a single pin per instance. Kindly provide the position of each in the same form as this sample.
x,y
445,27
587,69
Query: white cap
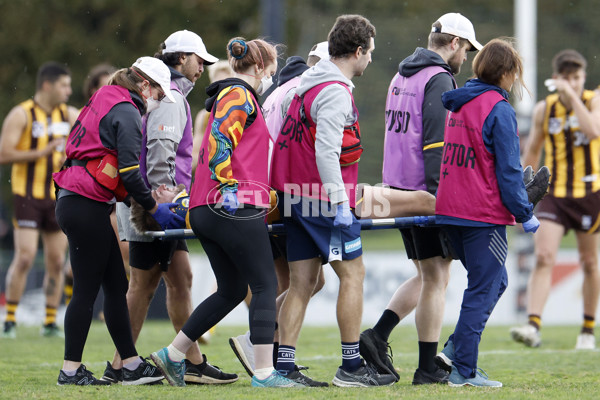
x,y
321,51
188,42
458,25
158,72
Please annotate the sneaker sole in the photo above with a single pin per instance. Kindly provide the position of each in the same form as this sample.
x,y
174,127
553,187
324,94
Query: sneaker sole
x,y
143,381
206,380
237,349
340,383
110,380
161,366
517,337
443,362
470,384
375,360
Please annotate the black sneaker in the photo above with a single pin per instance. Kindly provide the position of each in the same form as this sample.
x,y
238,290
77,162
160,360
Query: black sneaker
x,y
206,374
112,375
423,377
82,377
375,351
527,175
145,373
302,379
538,186
365,376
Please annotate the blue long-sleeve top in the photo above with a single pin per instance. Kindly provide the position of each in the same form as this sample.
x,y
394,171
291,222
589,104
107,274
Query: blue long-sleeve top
x,y
500,136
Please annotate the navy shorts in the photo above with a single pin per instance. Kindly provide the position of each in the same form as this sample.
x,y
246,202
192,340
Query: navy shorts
x,y
145,255
310,233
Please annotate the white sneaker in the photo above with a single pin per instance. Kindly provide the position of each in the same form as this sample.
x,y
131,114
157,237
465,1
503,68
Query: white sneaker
x,y
244,350
526,334
585,341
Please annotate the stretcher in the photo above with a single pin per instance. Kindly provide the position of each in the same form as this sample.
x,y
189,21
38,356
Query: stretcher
x,y
365,224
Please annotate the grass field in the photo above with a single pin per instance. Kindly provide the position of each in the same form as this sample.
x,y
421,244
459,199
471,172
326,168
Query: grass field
x,y
29,367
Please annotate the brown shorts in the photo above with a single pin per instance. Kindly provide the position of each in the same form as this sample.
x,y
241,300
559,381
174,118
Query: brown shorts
x,y
580,214
34,213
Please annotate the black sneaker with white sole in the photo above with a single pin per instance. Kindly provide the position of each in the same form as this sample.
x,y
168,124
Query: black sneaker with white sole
x,y
423,377
112,375
302,379
375,351
206,374
82,377
144,374
365,376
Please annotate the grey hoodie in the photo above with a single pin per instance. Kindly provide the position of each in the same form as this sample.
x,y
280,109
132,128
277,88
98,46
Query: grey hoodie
x,y
331,111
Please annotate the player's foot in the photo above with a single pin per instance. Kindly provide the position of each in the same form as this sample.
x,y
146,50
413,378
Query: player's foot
x,y
51,330
144,374
444,358
82,377
9,331
112,375
481,379
173,371
538,186
375,351
244,350
206,374
423,377
365,376
302,379
585,341
274,380
526,334
527,175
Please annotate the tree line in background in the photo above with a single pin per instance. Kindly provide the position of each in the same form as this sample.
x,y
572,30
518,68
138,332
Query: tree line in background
x,y
83,33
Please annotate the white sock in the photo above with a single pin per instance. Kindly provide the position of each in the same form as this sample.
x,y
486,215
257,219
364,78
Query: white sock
x,y
69,373
132,365
263,373
174,354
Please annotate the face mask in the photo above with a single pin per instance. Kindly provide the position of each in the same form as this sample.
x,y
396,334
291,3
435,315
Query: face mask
x,y
265,83
151,104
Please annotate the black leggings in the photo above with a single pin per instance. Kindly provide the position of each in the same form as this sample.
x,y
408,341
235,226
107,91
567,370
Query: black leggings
x,y
96,261
240,255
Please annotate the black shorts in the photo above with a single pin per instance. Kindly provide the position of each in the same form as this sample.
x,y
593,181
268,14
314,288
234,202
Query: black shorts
x,y
426,242
580,214
35,213
145,255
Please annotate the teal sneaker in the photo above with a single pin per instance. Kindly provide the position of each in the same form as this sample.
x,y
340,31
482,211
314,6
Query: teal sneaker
x,y
274,380
51,330
480,379
9,331
173,371
444,358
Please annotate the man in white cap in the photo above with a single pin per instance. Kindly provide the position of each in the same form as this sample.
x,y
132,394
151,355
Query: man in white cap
x,y
166,158
414,139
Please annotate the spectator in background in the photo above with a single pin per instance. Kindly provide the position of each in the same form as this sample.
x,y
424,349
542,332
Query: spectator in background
x,y
32,140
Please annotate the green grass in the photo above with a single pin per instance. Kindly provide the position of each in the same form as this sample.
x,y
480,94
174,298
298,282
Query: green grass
x,y
29,367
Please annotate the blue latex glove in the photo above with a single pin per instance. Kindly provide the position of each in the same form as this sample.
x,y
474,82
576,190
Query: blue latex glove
x,y
230,202
531,225
166,218
343,216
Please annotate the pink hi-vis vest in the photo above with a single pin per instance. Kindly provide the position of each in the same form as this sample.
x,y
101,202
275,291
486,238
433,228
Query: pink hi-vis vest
x,y
468,187
294,168
403,165
249,164
84,143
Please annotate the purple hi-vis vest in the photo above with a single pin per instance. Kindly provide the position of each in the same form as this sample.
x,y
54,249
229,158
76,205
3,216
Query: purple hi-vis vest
x,y
249,165
84,143
468,186
183,155
294,166
403,165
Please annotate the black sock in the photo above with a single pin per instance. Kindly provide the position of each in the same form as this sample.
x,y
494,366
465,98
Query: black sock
x,y
275,350
427,352
386,324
